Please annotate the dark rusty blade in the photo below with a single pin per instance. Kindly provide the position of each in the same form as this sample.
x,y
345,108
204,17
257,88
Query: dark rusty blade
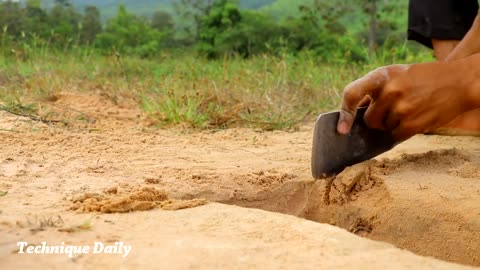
x,y
332,152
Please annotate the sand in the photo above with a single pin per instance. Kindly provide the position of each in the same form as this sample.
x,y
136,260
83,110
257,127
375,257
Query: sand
x,y
174,195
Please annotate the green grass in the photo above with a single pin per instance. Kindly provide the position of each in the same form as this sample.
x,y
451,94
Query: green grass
x,y
267,92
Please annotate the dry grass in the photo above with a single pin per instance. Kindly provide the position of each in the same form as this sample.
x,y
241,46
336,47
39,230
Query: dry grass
x,y
180,89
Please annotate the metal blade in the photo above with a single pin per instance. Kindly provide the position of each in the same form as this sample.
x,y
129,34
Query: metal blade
x,y
332,152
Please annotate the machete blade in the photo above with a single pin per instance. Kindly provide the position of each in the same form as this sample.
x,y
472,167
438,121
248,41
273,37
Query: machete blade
x,y
332,152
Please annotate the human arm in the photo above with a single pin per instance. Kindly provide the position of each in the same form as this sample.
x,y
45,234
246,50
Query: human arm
x,y
469,45
413,99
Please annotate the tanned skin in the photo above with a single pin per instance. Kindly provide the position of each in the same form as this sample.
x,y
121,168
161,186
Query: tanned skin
x,y
421,98
443,48
467,123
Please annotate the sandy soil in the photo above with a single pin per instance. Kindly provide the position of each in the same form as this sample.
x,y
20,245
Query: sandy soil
x,y
174,196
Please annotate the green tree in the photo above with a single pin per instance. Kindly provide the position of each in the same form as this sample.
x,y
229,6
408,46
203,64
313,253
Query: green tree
x,y
390,23
256,33
65,22
226,29
91,24
319,27
127,33
372,37
162,21
190,13
219,18
36,19
12,19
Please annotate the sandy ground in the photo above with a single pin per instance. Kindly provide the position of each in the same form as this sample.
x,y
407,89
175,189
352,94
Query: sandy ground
x,y
174,196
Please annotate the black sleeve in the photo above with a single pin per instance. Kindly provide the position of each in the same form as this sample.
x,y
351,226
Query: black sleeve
x,y
440,19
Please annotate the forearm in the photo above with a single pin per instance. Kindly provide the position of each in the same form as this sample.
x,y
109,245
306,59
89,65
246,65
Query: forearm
x,y
464,73
469,45
469,68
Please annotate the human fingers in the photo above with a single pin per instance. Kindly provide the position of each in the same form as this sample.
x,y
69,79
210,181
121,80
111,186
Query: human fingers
x,y
376,115
355,92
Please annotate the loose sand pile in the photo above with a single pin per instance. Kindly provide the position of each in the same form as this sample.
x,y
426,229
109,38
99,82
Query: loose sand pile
x,y
129,199
100,182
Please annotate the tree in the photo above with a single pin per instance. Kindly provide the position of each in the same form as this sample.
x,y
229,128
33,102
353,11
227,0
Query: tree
x,y
320,29
91,24
127,33
36,19
12,18
162,21
384,21
372,37
219,18
191,12
64,22
350,26
256,33
225,29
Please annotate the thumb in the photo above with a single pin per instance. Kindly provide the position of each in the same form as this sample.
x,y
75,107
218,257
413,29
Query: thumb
x,y
345,121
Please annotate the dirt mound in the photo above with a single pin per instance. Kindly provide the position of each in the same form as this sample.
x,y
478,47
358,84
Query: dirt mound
x,y
353,181
432,160
122,200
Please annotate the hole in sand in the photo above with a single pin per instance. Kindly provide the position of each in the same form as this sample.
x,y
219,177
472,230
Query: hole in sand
x,y
434,216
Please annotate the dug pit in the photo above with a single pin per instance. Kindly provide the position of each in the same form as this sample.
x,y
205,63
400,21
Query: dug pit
x,y
430,215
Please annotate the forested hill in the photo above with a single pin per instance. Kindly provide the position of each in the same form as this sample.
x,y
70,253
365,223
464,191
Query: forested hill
x,y
108,8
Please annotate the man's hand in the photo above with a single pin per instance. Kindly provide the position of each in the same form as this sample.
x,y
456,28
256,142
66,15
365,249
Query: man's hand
x,y
412,99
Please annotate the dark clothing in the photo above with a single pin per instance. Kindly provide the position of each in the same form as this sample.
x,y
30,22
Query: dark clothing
x,y
440,19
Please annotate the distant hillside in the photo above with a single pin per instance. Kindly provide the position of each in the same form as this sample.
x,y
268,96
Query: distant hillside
x,y
285,8
108,8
